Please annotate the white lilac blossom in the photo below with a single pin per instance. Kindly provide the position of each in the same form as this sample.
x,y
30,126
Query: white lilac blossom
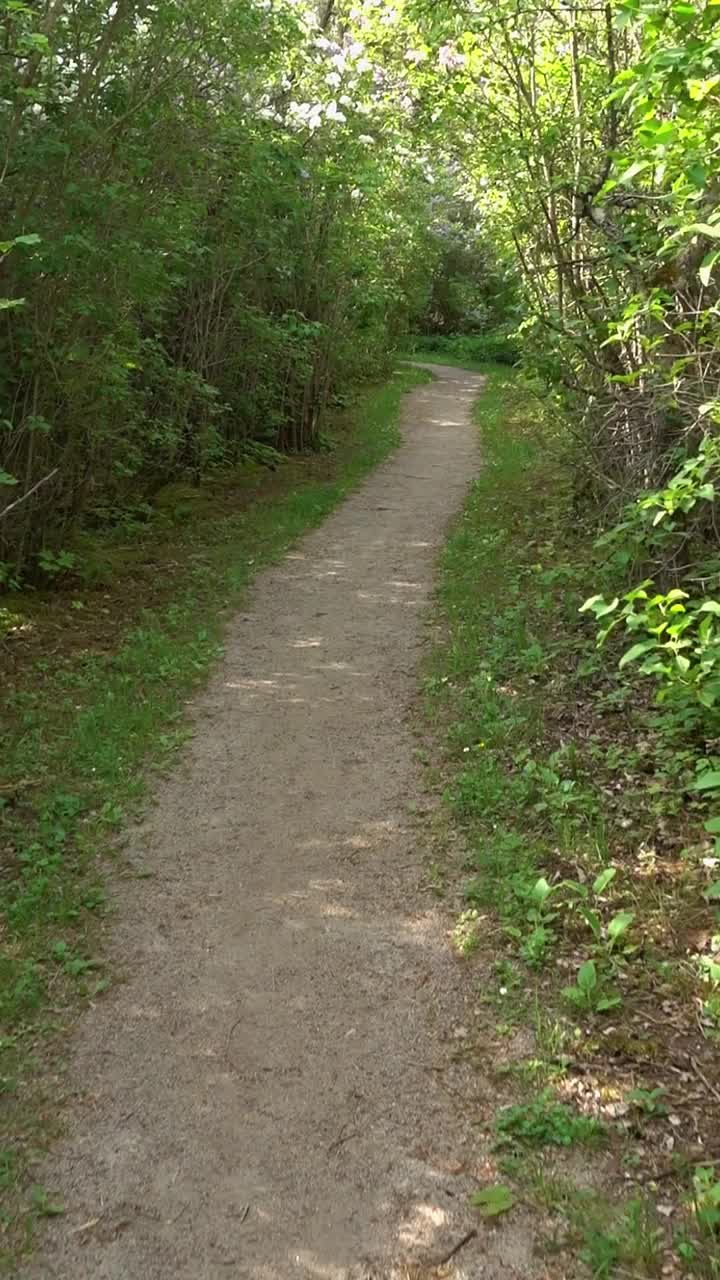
x,y
450,59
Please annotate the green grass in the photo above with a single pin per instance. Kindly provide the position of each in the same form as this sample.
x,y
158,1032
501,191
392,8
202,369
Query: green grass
x,y
79,739
493,643
455,362
561,775
544,1122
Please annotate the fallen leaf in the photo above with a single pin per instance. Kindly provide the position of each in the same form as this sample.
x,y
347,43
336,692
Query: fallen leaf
x,y
492,1201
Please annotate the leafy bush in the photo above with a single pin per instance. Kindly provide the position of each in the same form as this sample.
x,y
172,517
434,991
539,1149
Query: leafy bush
x,y
202,249
494,347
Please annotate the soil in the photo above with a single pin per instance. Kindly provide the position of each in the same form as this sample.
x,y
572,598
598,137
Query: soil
x,y
276,1085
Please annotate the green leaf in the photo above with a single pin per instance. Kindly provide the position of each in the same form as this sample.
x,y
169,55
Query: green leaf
x,y
541,890
713,826
709,606
31,238
634,170
603,880
608,1002
6,304
587,976
620,924
7,479
707,781
713,891
699,229
637,651
706,266
492,1201
607,608
590,603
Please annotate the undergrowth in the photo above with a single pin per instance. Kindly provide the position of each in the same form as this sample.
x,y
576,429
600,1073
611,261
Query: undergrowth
x,y
580,810
78,735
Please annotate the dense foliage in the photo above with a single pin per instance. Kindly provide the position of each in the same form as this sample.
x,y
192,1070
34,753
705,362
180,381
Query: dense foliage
x,y
588,138
209,233
219,215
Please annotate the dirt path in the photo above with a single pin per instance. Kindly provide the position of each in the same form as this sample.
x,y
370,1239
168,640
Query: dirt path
x,y
264,1096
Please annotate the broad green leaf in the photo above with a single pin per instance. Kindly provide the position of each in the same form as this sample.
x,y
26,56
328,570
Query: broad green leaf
x,y
620,924
637,651
701,229
713,826
608,608
713,891
638,167
541,890
7,479
492,1201
706,266
707,781
603,880
587,976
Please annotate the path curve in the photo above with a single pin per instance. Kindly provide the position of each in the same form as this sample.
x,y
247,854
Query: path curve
x,y
261,1097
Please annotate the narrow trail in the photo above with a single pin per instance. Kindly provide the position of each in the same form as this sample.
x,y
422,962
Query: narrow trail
x,y
264,1093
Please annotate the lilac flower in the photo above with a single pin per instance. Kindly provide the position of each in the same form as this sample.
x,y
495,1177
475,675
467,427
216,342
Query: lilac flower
x,y
449,58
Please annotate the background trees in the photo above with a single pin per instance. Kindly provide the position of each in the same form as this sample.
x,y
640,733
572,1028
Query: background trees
x,y
589,140
208,234
220,214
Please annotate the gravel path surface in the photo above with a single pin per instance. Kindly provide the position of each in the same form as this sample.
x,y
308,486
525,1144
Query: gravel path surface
x,y
264,1093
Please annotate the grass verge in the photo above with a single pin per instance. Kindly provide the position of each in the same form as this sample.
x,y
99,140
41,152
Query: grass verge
x,y
587,860
98,700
